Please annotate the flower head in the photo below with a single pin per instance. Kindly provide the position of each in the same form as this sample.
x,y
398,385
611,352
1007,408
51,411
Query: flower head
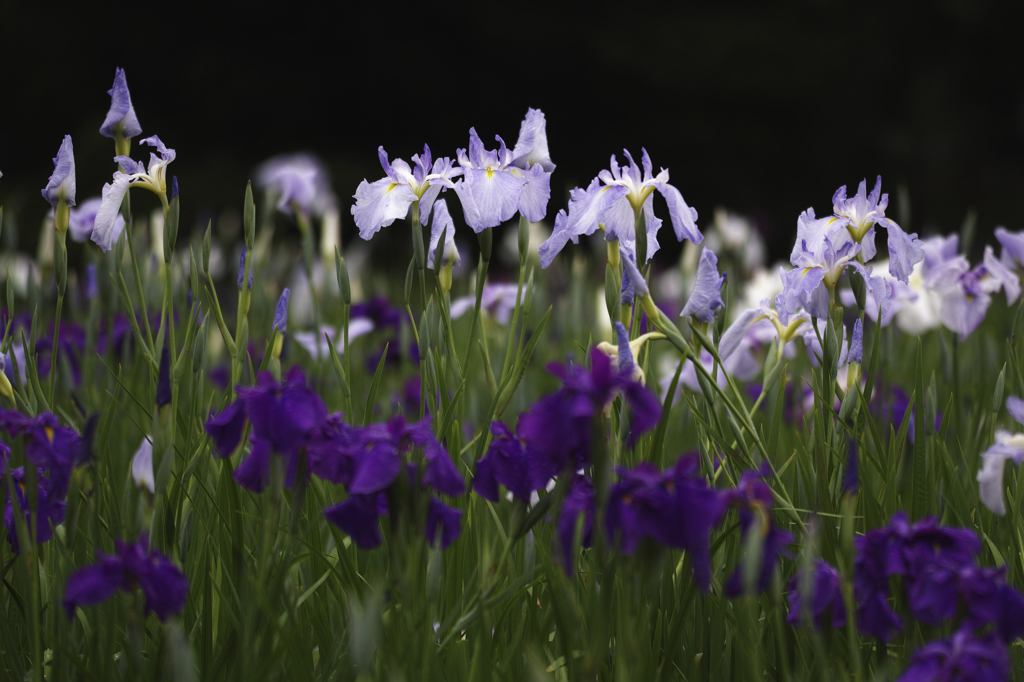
x,y
121,116
132,567
753,498
380,203
48,445
613,201
61,185
49,500
297,180
964,656
675,508
812,595
861,212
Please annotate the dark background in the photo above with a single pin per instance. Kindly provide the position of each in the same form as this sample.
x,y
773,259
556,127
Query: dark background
x,y
765,110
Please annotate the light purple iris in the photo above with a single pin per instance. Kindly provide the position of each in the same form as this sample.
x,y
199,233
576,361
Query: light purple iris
x,y
1008,447
380,203
964,296
614,204
823,249
498,299
706,296
861,212
498,183
61,184
297,180
83,218
154,179
121,117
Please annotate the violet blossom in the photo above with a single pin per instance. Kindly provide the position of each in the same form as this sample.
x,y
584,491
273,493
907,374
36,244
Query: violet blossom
x,y
614,206
120,119
153,178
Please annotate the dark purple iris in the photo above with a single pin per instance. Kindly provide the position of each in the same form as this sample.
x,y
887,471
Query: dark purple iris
x,y
558,426
753,497
284,418
56,449
963,657
132,567
513,463
579,501
675,508
51,506
369,460
824,592
927,555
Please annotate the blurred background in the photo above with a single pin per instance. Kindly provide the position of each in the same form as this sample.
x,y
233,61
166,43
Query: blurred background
x,y
763,110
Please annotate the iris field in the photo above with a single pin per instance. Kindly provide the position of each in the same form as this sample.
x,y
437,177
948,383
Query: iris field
x,y
248,455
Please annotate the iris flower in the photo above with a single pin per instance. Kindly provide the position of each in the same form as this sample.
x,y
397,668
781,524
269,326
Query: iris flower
x,y
613,200
135,174
121,119
132,567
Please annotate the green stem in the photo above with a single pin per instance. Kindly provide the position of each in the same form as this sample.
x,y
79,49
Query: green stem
x,y
53,348
138,280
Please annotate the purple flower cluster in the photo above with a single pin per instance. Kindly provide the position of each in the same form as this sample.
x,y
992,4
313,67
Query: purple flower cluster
x,y
289,420
940,578
54,451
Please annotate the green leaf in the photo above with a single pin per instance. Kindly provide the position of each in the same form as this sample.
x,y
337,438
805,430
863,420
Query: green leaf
x,y
372,395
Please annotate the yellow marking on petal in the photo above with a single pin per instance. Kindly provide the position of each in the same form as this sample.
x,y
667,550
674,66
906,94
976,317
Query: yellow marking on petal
x,y
49,433
391,187
490,173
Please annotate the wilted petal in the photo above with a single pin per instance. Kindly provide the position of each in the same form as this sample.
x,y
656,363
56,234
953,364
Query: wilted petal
x,y
444,521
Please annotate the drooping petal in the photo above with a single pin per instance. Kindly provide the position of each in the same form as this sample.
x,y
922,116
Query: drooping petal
x,y
105,228
706,296
733,336
377,469
121,113
93,584
904,252
358,516
999,277
1013,246
226,428
798,290
442,521
684,218
990,477
533,201
489,197
440,472
253,473
379,204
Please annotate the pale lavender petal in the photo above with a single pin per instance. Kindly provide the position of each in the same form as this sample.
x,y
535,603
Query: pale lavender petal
x,y
129,165
856,353
488,198
461,306
904,252
62,181
734,335
121,110
684,218
142,467
798,287
560,236
532,146
880,290
619,220
533,202
167,155
1015,406
1013,244
636,280
867,245
1000,277
316,343
379,204
106,228
706,296
961,311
